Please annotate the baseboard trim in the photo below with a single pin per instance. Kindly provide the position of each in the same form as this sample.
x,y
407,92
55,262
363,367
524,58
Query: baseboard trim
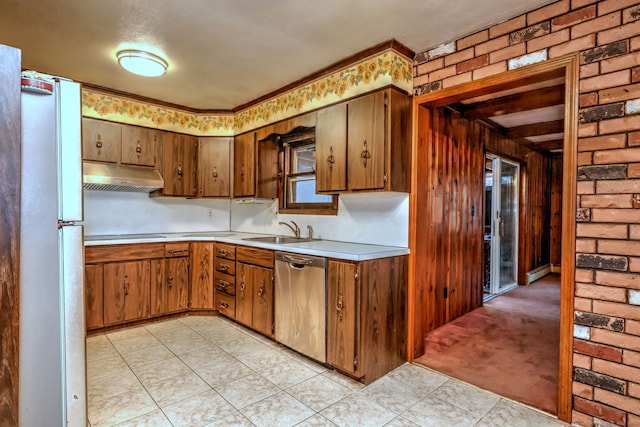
x,y
538,273
556,268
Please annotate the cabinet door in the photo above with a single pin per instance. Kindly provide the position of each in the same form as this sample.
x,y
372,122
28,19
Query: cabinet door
x,y
244,294
331,149
213,167
269,165
244,164
93,295
342,317
159,292
126,291
177,278
367,142
101,140
179,165
202,275
263,300
139,145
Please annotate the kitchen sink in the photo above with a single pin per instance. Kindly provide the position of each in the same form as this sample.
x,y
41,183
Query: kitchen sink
x,y
278,239
211,234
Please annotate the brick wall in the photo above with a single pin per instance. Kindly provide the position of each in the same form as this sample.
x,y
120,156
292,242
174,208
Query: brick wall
x,y
607,293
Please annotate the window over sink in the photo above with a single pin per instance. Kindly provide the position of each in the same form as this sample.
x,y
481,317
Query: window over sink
x,y
298,193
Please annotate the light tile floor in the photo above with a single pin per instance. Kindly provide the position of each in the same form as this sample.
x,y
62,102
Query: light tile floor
x,y
208,371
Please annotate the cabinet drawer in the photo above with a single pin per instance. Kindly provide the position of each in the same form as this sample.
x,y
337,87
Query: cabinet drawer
x,y
225,266
261,257
224,282
176,249
128,252
225,251
225,304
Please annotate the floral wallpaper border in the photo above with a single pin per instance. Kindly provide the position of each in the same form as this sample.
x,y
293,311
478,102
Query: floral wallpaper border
x,y
383,69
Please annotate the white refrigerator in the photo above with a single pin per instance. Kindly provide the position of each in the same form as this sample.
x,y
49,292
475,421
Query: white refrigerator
x,y
52,367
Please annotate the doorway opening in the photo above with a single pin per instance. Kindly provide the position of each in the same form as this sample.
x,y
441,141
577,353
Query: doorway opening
x,y
501,211
453,135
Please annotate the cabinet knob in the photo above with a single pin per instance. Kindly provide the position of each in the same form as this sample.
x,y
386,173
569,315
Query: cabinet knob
x,y
215,172
126,285
180,173
169,280
242,172
365,155
138,149
99,144
339,307
331,160
261,292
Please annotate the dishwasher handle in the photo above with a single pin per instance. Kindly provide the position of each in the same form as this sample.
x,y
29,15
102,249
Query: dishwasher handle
x,y
299,262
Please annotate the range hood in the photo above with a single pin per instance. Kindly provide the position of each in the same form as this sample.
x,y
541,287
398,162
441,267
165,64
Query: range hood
x,y
108,177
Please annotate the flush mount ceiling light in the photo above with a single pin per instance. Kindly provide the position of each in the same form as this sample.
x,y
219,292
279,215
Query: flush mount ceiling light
x,y
142,63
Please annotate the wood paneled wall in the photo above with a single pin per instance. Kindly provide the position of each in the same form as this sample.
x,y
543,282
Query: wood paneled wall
x,y
450,212
555,254
449,234
10,137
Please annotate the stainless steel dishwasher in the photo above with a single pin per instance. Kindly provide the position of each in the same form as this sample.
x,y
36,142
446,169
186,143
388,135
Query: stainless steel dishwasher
x,y
300,304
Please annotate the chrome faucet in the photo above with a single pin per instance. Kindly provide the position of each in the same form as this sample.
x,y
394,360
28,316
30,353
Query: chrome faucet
x,y
295,228
310,228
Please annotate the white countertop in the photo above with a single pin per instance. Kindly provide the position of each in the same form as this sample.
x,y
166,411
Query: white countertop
x,y
323,248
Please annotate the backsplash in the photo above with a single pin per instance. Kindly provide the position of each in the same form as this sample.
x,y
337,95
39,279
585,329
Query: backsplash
x,y
372,218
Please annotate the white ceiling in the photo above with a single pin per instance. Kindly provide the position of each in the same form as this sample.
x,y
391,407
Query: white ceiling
x,y
224,53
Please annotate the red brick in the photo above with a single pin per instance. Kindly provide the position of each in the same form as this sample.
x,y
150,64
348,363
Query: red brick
x,y
581,361
623,155
605,81
622,124
634,390
631,358
623,403
603,231
609,6
616,370
586,187
548,12
595,25
441,74
508,53
635,43
628,186
621,280
490,70
430,66
454,58
598,410
586,100
580,419
587,129
456,80
619,33
601,293
472,64
600,351
633,328
574,17
624,216
552,39
420,80
582,304
472,40
631,14
621,93
491,45
582,390
620,62
635,75
589,70
572,46
583,275
607,201
633,420
602,142
634,265
634,139
625,311
585,158
577,4
633,170
508,26
586,246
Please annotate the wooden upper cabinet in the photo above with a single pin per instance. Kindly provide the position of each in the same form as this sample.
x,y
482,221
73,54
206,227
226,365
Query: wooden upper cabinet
x,y
139,145
331,149
269,170
213,167
244,165
179,164
367,142
101,140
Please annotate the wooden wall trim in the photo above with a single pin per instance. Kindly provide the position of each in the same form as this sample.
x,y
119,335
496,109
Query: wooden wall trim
x,y
567,67
10,138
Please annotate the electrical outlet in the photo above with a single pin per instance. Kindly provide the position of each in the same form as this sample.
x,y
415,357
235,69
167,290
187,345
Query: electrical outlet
x,y
210,213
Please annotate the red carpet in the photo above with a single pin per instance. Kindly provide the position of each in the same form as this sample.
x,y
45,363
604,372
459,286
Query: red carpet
x,y
509,346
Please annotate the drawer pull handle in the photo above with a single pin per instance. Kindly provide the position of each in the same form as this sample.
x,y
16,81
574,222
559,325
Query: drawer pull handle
x,y
224,267
223,252
126,285
224,305
223,284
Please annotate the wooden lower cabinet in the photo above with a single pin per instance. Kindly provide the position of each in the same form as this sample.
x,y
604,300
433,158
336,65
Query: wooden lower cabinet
x,y
169,285
367,316
93,285
126,291
201,288
254,297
